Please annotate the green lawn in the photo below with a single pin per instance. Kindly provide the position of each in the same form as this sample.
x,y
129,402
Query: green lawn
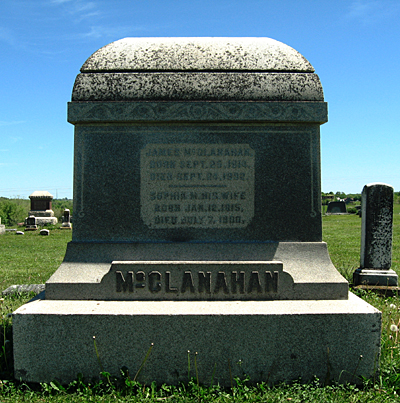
x,y
33,258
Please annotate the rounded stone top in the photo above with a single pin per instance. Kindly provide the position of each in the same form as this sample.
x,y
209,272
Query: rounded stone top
x,y
41,194
197,69
197,54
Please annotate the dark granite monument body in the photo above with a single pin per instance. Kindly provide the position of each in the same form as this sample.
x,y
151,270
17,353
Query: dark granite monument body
x,y
191,150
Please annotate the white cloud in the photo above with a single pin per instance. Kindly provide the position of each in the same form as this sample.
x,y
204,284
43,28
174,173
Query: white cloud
x,y
80,9
99,31
10,123
372,11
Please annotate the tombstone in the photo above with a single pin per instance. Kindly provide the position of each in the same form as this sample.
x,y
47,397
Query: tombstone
x,y
23,288
66,221
44,232
19,233
41,208
336,207
2,228
376,237
30,223
185,149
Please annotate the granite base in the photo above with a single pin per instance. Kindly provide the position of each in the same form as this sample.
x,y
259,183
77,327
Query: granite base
x,y
268,341
388,278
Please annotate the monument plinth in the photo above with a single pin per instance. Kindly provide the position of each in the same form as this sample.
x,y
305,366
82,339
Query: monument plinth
x,y
41,209
204,141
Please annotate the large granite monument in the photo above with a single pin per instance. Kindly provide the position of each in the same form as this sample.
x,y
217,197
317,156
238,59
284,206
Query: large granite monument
x,y
41,210
190,150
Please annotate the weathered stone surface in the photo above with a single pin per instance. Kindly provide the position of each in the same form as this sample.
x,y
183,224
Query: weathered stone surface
x,y
43,221
197,86
41,194
24,288
2,229
197,69
197,54
83,273
376,226
276,151
208,169
273,340
44,232
85,112
385,278
376,237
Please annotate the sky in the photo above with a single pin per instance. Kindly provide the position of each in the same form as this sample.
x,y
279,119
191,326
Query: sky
x,y
354,46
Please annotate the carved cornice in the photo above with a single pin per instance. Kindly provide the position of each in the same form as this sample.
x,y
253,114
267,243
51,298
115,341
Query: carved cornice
x,y
124,112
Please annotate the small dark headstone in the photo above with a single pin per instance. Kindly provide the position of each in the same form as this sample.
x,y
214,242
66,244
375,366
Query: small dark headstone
x,y
31,223
376,237
66,221
336,207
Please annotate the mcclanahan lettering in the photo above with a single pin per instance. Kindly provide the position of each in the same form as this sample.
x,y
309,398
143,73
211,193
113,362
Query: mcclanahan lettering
x,y
200,282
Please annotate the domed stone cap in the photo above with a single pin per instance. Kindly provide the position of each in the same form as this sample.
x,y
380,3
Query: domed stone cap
x,y
41,194
197,54
197,69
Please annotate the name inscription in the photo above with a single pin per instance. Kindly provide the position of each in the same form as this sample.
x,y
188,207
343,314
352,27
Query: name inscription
x,y
197,185
235,282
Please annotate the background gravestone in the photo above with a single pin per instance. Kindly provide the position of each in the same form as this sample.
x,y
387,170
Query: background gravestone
x,y
66,220
191,150
376,237
336,207
41,208
30,223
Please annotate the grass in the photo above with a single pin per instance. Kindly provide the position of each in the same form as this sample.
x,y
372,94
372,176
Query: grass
x,y
32,259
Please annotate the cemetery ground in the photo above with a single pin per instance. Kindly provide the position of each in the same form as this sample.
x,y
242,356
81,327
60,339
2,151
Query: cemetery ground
x,y
32,259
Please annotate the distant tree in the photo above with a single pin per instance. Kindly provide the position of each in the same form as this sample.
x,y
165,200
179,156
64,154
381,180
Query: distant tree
x,y
13,211
340,195
59,205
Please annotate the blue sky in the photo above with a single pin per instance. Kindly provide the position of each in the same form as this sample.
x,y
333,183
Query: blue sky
x,y
354,46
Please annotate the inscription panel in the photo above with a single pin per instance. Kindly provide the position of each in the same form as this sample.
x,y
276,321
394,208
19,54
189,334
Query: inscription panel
x,y
205,280
197,185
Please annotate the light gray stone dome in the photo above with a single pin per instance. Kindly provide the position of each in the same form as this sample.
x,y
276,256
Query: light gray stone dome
x,y
197,69
197,54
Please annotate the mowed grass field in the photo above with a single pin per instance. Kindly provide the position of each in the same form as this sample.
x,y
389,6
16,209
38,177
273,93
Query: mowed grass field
x,y
32,259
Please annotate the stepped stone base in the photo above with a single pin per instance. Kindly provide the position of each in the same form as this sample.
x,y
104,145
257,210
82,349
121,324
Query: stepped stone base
x,y
388,278
267,340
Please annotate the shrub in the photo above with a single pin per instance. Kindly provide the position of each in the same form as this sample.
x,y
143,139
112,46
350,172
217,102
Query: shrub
x,y
13,211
